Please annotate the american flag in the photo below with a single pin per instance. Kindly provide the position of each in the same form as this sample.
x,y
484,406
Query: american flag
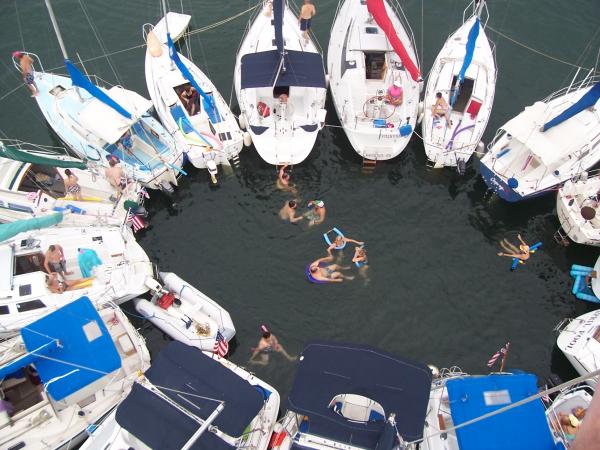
x,y
221,346
137,223
497,355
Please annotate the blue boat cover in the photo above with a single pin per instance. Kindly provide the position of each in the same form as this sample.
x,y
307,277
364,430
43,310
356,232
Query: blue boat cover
x,y
589,99
470,49
181,369
208,102
9,230
79,79
521,428
86,353
399,385
278,10
303,69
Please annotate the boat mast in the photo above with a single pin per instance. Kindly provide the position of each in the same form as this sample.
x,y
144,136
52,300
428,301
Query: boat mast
x,y
56,30
209,420
164,7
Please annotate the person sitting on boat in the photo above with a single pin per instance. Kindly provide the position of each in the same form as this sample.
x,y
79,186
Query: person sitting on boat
x,y
441,108
268,344
570,423
116,176
125,143
72,185
395,94
317,215
58,285
191,99
331,272
522,252
54,260
288,212
26,65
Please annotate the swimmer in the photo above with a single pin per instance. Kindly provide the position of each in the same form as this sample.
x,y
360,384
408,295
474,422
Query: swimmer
x,y
360,256
343,240
288,212
283,179
330,272
317,215
268,344
522,252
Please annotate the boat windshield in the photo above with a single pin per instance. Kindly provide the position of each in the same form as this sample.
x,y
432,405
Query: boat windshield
x,y
357,408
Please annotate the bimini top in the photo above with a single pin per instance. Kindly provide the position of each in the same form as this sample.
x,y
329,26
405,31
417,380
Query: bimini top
x,y
71,348
302,69
522,428
183,369
399,385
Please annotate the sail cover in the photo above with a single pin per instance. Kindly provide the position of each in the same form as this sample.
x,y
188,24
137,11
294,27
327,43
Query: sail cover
x,y
263,69
9,230
589,99
377,10
36,157
78,79
207,101
470,49
278,8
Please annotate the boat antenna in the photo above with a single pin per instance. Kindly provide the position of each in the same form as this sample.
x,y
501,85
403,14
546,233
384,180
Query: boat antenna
x,y
56,29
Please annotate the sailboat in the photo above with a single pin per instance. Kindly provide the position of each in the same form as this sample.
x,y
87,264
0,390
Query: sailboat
x,y
547,144
280,86
99,124
460,92
577,204
64,373
191,400
203,125
32,185
374,76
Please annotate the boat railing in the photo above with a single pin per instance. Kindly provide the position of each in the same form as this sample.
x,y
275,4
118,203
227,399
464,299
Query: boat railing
x,y
36,60
588,80
477,8
560,326
395,5
337,11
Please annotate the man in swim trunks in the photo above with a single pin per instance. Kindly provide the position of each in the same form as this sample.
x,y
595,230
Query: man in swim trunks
x,y
307,11
317,215
268,344
321,271
441,108
54,260
522,252
116,176
26,65
72,185
288,212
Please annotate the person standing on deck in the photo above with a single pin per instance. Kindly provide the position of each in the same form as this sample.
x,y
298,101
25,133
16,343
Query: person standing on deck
x,y
26,65
54,260
307,12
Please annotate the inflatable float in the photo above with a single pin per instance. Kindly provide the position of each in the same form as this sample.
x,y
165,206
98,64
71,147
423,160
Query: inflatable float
x,y
517,261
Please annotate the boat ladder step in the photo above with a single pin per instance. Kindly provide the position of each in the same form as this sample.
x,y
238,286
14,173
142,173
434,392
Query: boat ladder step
x,y
429,163
368,165
560,236
235,160
562,325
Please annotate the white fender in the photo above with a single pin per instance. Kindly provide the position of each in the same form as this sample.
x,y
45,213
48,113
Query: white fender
x,y
247,139
434,370
327,78
243,122
420,113
480,150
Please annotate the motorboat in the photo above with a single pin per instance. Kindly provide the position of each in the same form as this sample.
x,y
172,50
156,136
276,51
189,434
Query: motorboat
x,y
102,263
184,313
464,77
64,373
188,399
457,398
579,340
577,203
354,397
550,142
200,122
280,85
371,54
99,124
566,404
32,185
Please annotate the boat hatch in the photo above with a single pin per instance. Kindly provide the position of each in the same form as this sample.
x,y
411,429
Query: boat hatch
x,y
45,178
57,90
30,305
357,408
371,30
32,262
464,94
280,90
374,65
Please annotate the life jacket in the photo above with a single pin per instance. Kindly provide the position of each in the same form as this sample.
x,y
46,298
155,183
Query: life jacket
x,y
166,300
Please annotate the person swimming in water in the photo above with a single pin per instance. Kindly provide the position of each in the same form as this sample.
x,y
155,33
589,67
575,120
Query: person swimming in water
x,y
316,213
343,240
283,179
288,212
522,252
268,344
330,272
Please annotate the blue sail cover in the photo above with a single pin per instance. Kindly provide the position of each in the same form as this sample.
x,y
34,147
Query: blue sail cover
x,y
278,9
9,230
207,101
78,79
522,428
86,353
399,385
588,100
470,50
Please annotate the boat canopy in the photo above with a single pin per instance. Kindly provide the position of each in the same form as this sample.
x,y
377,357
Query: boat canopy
x,y
10,230
105,122
263,69
469,51
588,100
35,157
399,385
181,369
81,348
522,428
79,79
377,10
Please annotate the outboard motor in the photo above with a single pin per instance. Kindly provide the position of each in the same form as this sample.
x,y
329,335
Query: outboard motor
x,y
461,166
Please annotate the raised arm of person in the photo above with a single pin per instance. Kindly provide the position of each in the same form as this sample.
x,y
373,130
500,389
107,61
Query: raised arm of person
x,y
521,239
354,241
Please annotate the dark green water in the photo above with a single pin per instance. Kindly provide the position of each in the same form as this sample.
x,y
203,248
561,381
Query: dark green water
x,y
437,291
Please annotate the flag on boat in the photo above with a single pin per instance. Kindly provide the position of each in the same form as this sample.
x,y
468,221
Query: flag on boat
x,y
136,222
497,355
221,346
143,193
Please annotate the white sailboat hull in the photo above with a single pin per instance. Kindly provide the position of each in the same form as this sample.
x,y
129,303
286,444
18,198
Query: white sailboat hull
x,y
572,197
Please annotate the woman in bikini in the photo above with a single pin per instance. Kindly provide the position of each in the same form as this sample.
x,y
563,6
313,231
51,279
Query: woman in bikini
x,y
522,252
440,108
268,344
72,185
331,272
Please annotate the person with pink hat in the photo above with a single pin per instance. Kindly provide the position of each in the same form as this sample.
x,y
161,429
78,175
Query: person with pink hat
x,y
26,64
395,94
268,344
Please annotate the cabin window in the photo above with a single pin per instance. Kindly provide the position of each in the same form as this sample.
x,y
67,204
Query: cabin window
x,y
357,408
464,94
280,90
371,30
4,309
29,263
30,305
493,398
375,65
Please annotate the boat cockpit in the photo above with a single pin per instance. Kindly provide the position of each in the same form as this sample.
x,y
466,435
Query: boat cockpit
x,y
44,178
